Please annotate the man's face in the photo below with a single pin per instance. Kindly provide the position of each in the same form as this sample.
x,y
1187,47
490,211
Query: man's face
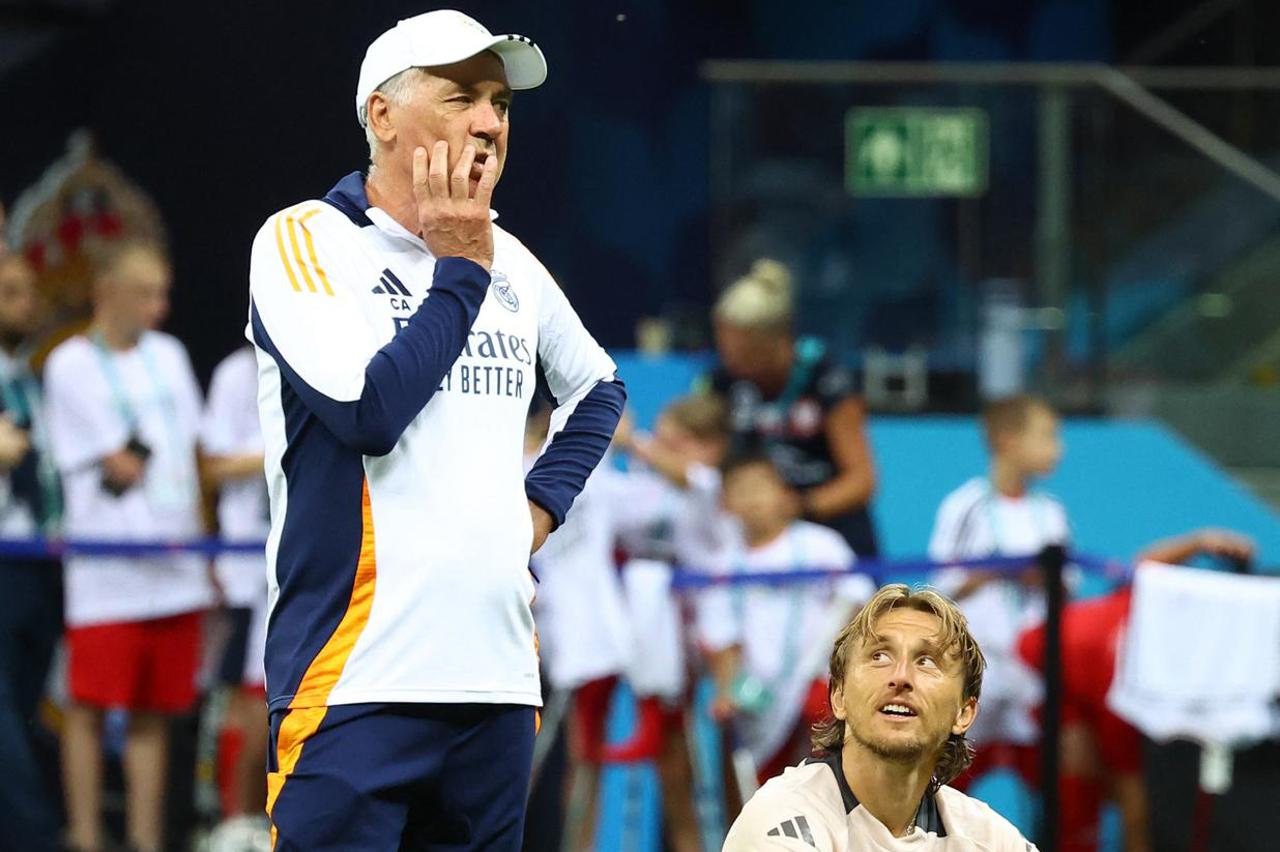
x,y
17,297
757,495
464,103
902,695
136,291
1038,448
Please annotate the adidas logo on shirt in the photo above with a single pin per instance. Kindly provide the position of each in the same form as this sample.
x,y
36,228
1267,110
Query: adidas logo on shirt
x,y
389,283
797,828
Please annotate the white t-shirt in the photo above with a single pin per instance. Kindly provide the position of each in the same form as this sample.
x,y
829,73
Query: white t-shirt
x,y
785,632
92,395
647,511
810,807
583,624
230,427
976,521
398,556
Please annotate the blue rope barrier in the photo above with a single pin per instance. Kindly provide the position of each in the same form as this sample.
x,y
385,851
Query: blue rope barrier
x,y
880,570
42,548
684,579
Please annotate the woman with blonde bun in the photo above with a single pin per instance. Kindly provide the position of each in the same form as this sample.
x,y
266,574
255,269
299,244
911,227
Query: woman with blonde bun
x,y
787,396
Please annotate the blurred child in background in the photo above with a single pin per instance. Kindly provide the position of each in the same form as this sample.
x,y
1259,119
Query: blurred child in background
x,y
232,456
767,645
1003,514
124,417
584,633
667,513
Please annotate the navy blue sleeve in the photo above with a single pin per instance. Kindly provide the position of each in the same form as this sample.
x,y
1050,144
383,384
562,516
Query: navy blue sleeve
x,y
559,475
403,375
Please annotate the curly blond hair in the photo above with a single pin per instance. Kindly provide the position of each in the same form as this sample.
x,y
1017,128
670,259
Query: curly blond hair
x,y
827,736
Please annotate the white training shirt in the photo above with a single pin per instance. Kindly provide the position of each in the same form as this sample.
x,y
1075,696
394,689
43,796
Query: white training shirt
x,y
583,625
976,521
92,394
399,546
810,808
230,428
785,632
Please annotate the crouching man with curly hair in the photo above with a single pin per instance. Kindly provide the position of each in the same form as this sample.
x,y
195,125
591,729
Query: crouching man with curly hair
x,y
905,678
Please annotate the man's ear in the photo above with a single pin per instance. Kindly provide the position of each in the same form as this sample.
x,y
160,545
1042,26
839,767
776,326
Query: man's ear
x,y
964,718
378,115
836,699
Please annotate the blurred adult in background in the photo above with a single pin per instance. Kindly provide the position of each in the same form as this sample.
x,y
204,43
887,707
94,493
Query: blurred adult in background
x,y
788,396
232,461
124,413
31,617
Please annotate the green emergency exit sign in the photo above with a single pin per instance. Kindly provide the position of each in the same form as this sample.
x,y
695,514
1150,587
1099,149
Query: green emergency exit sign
x,y
915,151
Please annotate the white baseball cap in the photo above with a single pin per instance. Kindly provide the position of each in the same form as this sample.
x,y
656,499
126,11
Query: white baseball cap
x,y
443,37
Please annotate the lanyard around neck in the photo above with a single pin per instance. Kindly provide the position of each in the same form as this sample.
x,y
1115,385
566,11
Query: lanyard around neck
x,y
107,360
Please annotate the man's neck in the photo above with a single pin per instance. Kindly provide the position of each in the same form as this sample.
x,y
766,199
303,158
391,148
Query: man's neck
x,y
762,536
1007,480
396,201
891,792
114,337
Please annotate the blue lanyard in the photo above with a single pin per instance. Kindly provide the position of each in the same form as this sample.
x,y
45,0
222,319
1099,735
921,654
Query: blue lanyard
x,y
118,392
27,404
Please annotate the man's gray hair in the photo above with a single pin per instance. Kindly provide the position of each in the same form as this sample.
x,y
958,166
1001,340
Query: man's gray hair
x,y
398,90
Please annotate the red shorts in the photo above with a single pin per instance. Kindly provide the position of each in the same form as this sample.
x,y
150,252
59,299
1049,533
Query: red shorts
x,y
145,666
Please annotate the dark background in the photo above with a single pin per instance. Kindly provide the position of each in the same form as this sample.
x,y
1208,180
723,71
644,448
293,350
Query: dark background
x,y
228,111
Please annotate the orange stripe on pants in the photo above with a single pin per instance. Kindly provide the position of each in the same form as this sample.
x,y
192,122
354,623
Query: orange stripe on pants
x,y
308,708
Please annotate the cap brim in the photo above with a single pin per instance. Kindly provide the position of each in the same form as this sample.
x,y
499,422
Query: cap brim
x,y
525,65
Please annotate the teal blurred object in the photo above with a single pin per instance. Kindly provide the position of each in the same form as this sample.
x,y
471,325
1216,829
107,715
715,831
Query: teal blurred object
x,y
751,694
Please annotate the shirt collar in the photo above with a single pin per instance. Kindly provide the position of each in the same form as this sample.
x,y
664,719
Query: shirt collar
x,y
348,195
927,816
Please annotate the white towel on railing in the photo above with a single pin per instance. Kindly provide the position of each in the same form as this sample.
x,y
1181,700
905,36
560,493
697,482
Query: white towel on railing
x,y
1201,656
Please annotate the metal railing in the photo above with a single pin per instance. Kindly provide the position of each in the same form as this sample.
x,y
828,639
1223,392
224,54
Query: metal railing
x,y
1146,92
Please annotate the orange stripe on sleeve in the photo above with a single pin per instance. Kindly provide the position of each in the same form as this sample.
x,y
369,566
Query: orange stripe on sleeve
x,y
307,710
284,257
297,254
311,252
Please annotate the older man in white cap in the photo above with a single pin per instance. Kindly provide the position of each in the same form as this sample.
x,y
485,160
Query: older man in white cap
x,y
400,337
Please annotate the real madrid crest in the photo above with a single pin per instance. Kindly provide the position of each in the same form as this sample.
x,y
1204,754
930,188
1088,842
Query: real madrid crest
x,y
504,292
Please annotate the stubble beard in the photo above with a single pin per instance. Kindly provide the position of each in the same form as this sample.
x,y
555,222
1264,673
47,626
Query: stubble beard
x,y
895,751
